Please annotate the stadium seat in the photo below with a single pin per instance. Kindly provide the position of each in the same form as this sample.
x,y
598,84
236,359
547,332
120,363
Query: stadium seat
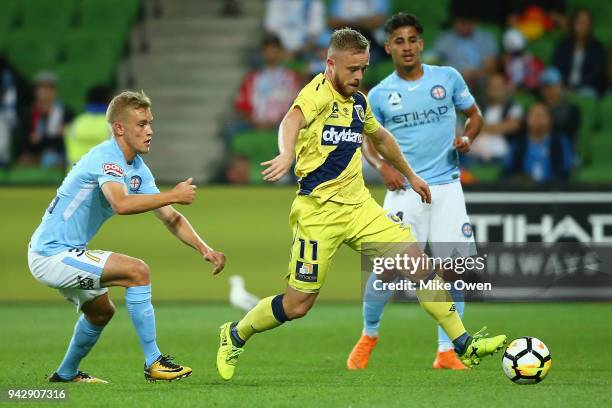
x,y
601,149
588,123
377,72
51,16
75,79
544,46
93,47
606,117
8,20
524,99
31,51
257,146
486,173
595,174
101,14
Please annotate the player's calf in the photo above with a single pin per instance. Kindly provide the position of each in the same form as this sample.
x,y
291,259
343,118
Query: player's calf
x,y
100,310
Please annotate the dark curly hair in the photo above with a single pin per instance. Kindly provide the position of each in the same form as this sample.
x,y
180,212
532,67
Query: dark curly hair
x,y
402,20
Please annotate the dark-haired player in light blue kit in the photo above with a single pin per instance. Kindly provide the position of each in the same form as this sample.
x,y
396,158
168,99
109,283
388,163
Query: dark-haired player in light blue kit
x,y
417,103
110,179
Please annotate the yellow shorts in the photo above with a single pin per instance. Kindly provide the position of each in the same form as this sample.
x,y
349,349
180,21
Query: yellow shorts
x,y
320,229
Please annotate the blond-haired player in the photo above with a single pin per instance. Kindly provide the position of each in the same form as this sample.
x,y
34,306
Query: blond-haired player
x,y
110,179
323,130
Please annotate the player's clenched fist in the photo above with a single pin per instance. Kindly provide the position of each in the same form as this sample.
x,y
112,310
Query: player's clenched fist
x,y
184,192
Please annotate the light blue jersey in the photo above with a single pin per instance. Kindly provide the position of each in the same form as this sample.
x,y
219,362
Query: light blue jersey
x,y
79,209
421,115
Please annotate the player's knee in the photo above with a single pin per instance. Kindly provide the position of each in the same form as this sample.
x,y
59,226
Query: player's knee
x,y
141,274
298,310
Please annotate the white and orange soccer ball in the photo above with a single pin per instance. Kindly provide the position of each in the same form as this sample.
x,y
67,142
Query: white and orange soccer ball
x,y
526,360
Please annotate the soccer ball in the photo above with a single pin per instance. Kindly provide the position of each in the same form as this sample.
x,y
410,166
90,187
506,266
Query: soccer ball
x,y
526,360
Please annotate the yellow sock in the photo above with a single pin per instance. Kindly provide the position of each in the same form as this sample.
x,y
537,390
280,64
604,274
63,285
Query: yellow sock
x,y
264,316
439,304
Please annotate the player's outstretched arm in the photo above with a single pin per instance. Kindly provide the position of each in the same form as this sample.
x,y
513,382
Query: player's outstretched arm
x,y
123,203
386,145
178,224
287,136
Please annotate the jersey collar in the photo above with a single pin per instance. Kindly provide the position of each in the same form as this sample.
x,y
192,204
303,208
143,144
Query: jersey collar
x,y
337,95
120,152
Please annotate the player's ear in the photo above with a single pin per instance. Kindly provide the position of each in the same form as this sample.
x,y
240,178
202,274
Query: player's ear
x,y
387,47
118,129
421,44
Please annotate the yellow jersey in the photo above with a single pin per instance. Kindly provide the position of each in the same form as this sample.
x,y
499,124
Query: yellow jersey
x,y
328,149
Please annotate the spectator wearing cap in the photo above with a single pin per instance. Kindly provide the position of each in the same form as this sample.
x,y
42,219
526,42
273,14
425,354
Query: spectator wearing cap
x,y
44,125
522,68
580,57
467,48
267,93
565,115
502,120
540,155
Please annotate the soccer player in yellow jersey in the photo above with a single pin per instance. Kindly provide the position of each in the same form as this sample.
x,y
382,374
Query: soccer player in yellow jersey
x,y
323,131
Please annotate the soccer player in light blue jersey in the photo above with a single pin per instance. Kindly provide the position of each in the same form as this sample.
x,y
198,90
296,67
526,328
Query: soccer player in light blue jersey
x,y
111,179
417,103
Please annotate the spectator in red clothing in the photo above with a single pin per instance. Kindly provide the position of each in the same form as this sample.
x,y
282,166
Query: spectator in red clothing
x,y
266,94
44,125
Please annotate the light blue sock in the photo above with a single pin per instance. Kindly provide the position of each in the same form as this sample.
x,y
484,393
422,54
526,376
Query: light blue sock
x,y
83,339
138,303
444,342
374,302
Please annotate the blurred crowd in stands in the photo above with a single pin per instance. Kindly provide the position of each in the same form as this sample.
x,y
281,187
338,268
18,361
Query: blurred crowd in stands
x,y
38,131
541,76
540,73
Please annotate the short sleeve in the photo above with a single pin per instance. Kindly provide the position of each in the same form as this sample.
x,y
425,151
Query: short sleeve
x,y
371,124
308,104
462,98
105,169
374,99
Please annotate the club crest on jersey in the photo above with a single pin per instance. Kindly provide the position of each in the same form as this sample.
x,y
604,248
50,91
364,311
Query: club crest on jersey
x,y
438,92
467,230
334,112
111,169
360,112
135,182
395,100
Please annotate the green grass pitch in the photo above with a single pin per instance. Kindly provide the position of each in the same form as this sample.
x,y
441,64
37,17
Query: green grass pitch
x,y
302,363
299,364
